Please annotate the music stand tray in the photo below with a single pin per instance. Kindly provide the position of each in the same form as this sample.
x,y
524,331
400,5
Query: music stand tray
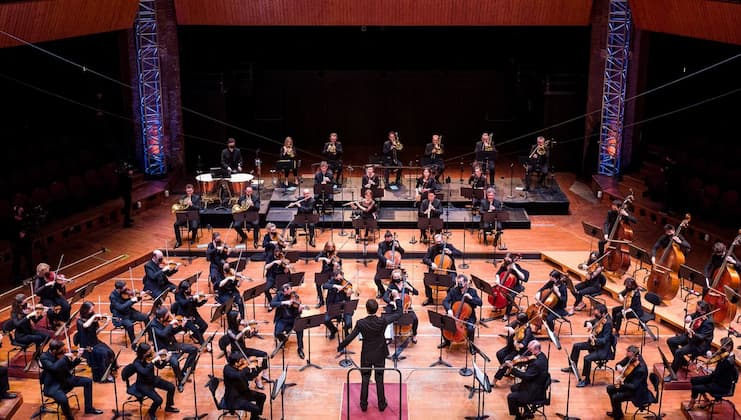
x,y
431,223
296,279
592,230
306,323
82,292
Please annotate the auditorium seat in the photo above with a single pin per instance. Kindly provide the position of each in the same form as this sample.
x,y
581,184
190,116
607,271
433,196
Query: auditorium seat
x,y
94,183
711,195
694,190
60,198
40,197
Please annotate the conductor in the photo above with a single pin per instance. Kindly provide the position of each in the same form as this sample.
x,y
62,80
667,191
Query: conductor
x,y
374,352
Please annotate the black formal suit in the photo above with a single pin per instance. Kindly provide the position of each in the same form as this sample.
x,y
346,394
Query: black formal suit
x,y
664,241
719,382
231,160
601,349
216,258
124,314
387,298
255,226
429,259
164,336
57,378
366,184
509,351
52,295
305,207
101,355
454,295
610,220
334,160
187,306
496,227
193,224
635,304
533,385
373,353
384,247
435,213
156,280
634,388
237,393
486,159
681,344
147,381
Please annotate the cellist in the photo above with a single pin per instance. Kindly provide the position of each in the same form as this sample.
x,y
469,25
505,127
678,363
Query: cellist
x,y
610,219
665,239
557,286
695,340
389,244
510,269
462,292
393,293
435,253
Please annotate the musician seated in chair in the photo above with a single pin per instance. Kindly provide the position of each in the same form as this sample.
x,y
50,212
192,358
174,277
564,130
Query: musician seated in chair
x,y
189,201
715,262
491,204
237,330
271,239
122,308
237,393
534,381
557,285
477,181
226,286
164,329
385,249
275,264
51,288
632,385
332,152
598,345
338,291
287,310
367,210
216,255
426,183
610,220
631,307
391,147
538,162
393,294
306,207
462,294
519,336
696,338
441,253
591,286
156,275
57,367
430,208
146,380
434,152
97,353
721,380
324,176
486,155
510,270
331,262
186,305
665,239
248,201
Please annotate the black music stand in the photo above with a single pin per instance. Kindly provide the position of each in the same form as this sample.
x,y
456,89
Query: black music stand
x,y
593,232
109,372
320,279
306,219
222,309
324,191
494,218
694,277
340,309
251,293
82,293
437,280
296,279
575,371
486,288
429,224
405,320
307,323
190,372
239,265
186,216
480,382
279,387
472,194
643,257
444,323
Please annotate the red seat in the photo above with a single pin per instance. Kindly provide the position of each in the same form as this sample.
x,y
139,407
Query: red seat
x,y
77,188
40,197
93,181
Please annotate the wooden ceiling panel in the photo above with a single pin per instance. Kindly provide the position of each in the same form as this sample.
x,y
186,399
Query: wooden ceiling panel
x,y
383,12
704,19
46,20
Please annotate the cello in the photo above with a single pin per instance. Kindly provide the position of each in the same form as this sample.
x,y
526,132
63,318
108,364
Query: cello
x,y
443,261
461,312
393,257
664,277
548,299
507,281
618,258
725,275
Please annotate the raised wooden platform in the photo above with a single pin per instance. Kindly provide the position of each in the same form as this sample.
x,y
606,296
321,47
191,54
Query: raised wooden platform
x,y
8,408
723,410
683,378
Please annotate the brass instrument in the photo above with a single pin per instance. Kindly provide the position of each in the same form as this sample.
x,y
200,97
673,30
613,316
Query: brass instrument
x,y
246,205
488,146
437,149
289,151
331,148
540,151
182,204
396,143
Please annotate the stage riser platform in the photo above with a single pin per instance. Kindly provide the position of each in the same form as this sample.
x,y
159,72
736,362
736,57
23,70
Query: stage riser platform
x,y
683,378
724,410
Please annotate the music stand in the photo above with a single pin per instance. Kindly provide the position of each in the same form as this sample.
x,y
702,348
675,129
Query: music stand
x,y
324,191
186,216
190,372
320,279
82,292
239,264
694,277
405,320
429,224
108,372
279,387
493,218
444,323
480,385
251,293
307,323
642,256
486,288
222,309
437,281
306,219
339,310
296,279
367,224
575,371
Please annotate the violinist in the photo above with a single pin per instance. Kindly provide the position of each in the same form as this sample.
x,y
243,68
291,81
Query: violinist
x,y
538,162
592,285
367,208
716,261
436,253
632,385
156,274
389,244
486,155
610,219
722,380
665,239
147,381
519,335
305,206
227,285
23,320
533,383
186,305
288,152
696,338
338,291
237,330
51,288
490,204
88,328
556,285
332,152
275,264
462,292
631,306
216,254
57,366
164,328
251,201
189,201
598,345
391,158
231,157
369,181
431,208
288,308
122,308
237,393
510,270
477,181
271,239
393,294
426,183
331,262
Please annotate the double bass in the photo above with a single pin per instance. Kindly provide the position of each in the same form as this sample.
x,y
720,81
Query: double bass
x,y
618,258
507,281
725,275
664,277
461,311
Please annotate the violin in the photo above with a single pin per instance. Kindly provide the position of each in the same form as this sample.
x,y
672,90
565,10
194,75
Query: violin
x,y
161,355
597,330
519,361
664,277
724,276
278,239
169,265
633,363
695,323
295,300
75,353
507,282
250,363
127,293
347,287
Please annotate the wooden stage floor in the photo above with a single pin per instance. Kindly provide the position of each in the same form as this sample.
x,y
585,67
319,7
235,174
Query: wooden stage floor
x,y
433,393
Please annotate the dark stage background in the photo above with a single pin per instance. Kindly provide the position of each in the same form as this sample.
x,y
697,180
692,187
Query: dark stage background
x,y
306,82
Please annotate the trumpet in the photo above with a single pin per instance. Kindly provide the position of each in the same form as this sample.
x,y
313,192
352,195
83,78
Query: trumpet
x,y
396,143
296,203
331,148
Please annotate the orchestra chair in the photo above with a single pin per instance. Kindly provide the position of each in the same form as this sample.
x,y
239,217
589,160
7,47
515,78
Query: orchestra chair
x,y
603,363
561,321
17,348
49,401
134,395
213,385
538,406
654,300
711,400
646,408
122,330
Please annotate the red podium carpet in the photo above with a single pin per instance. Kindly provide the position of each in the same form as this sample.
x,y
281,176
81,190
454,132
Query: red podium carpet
x,y
392,397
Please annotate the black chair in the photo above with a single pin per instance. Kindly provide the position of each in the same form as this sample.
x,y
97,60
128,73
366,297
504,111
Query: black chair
x,y
48,401
654,300
714,399
538,406
134,395
213,385
646,408
17,348
602,364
